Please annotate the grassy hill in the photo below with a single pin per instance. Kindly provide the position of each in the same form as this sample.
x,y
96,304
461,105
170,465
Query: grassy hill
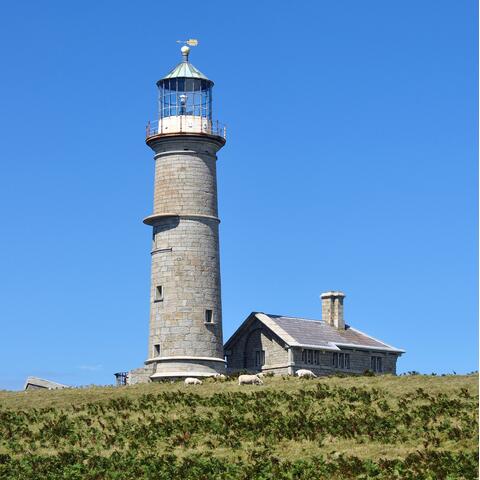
x,y
410,427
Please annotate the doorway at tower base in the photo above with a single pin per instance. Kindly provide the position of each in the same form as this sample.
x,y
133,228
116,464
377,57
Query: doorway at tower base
x,y
181,367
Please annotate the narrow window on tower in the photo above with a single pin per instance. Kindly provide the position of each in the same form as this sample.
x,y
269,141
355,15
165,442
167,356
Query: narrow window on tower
x,y
156,350
208,316
158,293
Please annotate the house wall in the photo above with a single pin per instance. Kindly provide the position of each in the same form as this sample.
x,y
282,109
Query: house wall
x,y
359,362
35,387
140,375
241,355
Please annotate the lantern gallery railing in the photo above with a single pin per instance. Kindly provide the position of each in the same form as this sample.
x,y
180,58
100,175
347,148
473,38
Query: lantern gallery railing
x,y
185,124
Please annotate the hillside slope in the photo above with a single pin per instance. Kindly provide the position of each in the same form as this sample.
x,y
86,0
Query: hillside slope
x,y
355,427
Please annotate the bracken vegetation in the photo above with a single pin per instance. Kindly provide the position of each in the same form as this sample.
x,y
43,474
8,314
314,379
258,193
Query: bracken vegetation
x,y
413,427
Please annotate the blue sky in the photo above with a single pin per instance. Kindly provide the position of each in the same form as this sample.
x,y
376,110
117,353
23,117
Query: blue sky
x,y
351,164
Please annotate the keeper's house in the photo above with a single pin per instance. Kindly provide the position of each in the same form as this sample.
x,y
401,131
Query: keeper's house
x,y
283,345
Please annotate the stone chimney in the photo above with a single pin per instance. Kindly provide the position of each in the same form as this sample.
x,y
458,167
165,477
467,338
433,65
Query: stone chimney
x,y
332,309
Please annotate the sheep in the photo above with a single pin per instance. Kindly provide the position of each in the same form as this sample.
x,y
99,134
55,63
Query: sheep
x,y
249,380
303,373
218,377
192,381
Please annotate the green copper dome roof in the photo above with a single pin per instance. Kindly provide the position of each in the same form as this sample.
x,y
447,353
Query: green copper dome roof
x,y
185,69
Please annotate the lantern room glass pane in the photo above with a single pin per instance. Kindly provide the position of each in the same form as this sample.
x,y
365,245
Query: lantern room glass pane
x,y
185,96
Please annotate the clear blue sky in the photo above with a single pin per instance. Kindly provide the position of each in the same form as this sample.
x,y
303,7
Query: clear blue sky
x,y
351,164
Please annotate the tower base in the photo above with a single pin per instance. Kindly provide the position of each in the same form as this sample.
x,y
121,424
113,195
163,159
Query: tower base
x,y
182,367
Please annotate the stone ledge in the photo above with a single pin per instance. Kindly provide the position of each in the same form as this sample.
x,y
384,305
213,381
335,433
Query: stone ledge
x,y
168,153
154,219
183,357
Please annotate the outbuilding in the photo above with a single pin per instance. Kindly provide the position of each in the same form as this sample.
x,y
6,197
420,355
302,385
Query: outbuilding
x,y
35,383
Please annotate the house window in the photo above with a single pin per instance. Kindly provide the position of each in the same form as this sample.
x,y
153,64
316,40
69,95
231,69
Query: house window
x,y
311,357
156,350
259,358
335,360
341,360
159,293
376,364
208,316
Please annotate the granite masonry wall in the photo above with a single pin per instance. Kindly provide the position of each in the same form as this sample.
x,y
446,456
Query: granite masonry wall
x,y
140,375
242,356
360,360
185,263
185,296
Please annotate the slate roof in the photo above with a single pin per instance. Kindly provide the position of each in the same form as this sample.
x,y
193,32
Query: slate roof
x,y
301,332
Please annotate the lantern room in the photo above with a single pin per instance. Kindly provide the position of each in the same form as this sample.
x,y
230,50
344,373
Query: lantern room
x,y
185,102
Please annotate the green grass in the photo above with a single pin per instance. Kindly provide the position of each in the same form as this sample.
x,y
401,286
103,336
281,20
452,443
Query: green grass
x,y
353,427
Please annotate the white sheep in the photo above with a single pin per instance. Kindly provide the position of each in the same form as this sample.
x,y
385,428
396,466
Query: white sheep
x,y
192,381
220,376
304,373
249,380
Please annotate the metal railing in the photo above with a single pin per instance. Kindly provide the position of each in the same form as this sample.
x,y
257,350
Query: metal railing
x,y
185,124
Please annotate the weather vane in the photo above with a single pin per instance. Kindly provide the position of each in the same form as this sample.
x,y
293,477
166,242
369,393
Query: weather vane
x,y
191,42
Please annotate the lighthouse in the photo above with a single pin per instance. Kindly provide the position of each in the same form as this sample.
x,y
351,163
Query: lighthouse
x,y
185,334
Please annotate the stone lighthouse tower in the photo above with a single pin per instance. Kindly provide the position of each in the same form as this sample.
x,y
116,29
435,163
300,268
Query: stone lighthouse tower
x,y
185,336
